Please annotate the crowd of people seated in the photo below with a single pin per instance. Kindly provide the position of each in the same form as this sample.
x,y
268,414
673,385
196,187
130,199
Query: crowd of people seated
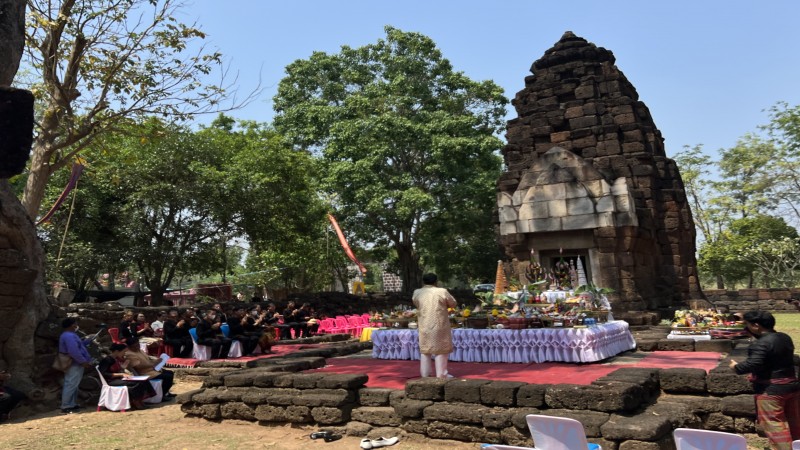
x,y
255,327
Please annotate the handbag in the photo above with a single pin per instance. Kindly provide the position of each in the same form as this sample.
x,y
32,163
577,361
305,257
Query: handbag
x,y
62,362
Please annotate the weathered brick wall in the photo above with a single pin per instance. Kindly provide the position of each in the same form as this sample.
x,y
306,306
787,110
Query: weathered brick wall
x,y
775,300
629,409
587,169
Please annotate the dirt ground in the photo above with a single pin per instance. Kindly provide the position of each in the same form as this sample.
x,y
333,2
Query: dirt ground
x,y
165,426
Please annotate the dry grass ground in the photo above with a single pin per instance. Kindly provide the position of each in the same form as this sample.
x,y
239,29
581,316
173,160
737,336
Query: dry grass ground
x,y
165,426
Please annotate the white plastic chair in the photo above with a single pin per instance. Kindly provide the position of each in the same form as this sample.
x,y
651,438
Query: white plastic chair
x,y
691,439
558,433
236,349
159,392
199,352
505,447
113,398
796,445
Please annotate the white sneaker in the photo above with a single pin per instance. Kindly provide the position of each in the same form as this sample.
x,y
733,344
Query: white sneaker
x,y
366,444
383,442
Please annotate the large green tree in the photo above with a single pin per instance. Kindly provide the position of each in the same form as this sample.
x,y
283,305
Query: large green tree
x,y
172,199
406,142
727,256
275,207
96,63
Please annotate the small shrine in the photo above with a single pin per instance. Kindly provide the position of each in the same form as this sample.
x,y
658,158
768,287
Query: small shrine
x,y
588,183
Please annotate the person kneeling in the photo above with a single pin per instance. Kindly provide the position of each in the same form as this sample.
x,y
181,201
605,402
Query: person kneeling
x,y
143,364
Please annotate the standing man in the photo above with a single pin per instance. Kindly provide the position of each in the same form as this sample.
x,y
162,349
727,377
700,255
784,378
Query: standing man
x,y
75,347
770,361
433,322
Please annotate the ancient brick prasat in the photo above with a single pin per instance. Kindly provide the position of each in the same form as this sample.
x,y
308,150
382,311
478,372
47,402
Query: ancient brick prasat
x,y
586,172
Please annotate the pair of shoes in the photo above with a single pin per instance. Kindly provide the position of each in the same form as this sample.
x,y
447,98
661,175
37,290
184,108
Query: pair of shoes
x,y
69,411
166,398
169,395
367,444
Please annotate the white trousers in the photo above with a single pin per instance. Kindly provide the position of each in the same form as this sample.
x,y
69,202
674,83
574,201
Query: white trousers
x,y
425,365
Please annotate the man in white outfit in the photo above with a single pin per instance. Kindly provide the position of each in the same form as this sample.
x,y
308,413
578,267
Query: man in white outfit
x,y
433,319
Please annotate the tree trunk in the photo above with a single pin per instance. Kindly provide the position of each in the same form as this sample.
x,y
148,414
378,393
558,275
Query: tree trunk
x,y
410,271
12,38
38,176
720,282
23,302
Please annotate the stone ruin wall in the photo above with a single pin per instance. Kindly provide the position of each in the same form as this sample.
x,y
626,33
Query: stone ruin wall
x,y
629,409
581,127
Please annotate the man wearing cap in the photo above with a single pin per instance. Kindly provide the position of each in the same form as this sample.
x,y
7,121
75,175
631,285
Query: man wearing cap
x,y
70,343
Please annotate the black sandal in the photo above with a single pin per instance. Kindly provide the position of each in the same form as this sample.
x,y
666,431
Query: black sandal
x,y
333,437
321,435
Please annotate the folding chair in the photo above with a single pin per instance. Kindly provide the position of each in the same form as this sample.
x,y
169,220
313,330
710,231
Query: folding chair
x,y
159,392
113,398
558,433
691,439
236,346
199,352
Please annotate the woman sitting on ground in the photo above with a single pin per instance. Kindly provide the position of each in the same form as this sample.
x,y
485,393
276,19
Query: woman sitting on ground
x,y
142,364
112,367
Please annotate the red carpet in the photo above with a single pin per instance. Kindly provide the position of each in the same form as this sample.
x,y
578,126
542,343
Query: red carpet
x,y
686,360
277,350
394,374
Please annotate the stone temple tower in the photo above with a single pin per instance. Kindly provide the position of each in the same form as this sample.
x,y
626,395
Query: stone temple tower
x,y
587,179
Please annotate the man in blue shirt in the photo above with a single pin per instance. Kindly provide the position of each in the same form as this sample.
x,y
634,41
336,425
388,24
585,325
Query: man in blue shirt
x,y
71,344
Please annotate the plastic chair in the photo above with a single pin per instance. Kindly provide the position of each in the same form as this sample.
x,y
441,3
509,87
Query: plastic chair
x,y
113,398
691,439
341,326
236,346
558,433
199,352
325,326
114,333
356,325
505,447
159,392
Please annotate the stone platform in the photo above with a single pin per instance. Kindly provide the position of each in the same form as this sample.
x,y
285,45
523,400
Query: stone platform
x,y
629,409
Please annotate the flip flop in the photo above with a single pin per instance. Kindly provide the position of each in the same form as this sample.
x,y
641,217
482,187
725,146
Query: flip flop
x,y
324,434
332,437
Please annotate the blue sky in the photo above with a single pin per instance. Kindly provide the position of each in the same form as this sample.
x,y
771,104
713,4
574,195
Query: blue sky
x,y
707,69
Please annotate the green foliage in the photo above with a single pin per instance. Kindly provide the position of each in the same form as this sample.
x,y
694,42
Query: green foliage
x,y
407,145
777,260
97,63
728,255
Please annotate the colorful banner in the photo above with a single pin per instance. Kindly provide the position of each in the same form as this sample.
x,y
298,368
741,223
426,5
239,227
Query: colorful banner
x,y
345,246
77,170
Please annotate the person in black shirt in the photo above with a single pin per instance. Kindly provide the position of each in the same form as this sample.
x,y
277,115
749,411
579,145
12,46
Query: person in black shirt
x,y
770,361
209,333
176,334
291,320
127,328
236,325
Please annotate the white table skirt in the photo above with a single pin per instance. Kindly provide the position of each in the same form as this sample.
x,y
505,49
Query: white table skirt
x,y
515,346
